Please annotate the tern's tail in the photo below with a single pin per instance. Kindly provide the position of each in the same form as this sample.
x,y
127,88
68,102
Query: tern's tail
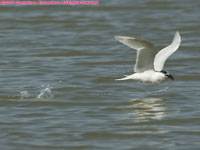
x,y
126,78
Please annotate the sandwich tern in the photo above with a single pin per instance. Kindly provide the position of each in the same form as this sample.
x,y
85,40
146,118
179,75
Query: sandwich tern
x,y
150,61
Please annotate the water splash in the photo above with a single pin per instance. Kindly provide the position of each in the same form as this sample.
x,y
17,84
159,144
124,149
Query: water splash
x,y
45,92
154,89
161,90
25,94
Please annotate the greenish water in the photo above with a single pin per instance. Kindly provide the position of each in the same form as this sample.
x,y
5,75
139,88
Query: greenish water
x,y
57,71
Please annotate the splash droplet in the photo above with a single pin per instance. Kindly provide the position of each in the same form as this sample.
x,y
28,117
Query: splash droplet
x,y
24,94
45,92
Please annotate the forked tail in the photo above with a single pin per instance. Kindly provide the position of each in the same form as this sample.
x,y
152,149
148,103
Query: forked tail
x,y
125,78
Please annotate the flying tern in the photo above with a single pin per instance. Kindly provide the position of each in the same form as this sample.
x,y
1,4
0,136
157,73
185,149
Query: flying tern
x,y
150,61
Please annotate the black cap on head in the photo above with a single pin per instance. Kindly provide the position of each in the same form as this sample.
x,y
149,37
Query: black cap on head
x,y
167,74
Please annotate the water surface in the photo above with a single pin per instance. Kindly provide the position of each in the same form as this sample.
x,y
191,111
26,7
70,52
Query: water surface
x,y
58,65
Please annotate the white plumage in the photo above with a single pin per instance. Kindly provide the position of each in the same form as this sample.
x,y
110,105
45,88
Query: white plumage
x,y
150,61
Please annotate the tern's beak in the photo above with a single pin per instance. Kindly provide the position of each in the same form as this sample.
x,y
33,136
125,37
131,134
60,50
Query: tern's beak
x,y
170,77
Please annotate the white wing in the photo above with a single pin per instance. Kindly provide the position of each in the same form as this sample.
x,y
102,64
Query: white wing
x,y
163,54
145,52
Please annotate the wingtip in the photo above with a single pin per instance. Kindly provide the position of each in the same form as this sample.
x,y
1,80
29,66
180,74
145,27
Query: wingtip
x,y
116,37
120,38
177,35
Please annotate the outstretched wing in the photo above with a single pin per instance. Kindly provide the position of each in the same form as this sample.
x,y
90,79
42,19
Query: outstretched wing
x,y
163,54
146,52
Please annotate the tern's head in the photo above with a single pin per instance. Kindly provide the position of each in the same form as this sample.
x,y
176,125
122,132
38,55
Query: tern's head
x,y
167,74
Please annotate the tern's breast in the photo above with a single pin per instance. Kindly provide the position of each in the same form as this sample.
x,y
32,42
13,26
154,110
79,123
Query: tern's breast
x,y
151,76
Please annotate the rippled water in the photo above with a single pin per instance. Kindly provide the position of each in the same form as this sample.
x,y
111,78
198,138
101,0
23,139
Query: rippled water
x,y
57,71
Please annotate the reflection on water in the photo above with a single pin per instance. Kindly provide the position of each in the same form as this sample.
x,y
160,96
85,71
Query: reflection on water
x,y
148,108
